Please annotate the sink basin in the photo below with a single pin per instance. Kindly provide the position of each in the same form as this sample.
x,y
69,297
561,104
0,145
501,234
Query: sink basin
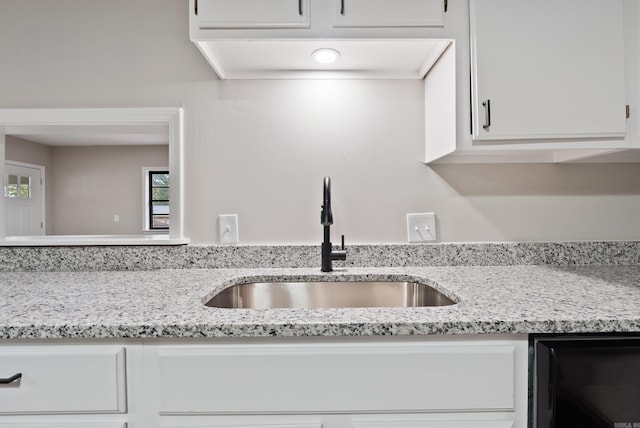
x,y
343,294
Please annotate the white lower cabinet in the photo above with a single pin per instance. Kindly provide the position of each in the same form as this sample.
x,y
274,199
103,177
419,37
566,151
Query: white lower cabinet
x,y
335,421
262,421
435,382
67,424
382,382
436,424
56,386
62,379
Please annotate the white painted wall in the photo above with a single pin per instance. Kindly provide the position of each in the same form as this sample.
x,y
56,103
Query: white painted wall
x,y
261,148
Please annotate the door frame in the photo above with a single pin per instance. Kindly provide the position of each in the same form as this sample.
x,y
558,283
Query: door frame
x,y
43,187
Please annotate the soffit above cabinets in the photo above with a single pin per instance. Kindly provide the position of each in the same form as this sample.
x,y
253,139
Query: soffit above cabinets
x,y
274,39
292,58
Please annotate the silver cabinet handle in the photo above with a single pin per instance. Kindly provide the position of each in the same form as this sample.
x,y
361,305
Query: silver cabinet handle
x,y
487,111
9,380
342,7
300,7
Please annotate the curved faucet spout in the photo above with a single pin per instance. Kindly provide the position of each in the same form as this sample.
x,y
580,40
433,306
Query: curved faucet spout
x,y
326,217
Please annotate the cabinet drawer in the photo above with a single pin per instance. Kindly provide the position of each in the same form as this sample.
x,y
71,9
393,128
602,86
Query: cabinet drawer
x,y
63,379
353,378
70,424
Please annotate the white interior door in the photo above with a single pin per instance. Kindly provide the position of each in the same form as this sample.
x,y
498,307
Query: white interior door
x,y
23,197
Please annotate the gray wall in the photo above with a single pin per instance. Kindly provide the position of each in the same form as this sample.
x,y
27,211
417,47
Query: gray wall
x,y
86,186
92,184
261,148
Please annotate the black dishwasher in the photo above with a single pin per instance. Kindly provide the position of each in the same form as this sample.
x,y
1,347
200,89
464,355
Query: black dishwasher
x,y
585,382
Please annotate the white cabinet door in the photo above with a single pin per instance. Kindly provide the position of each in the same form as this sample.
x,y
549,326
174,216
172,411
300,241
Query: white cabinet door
x,y
252,13
240,422
344,378
547,69
435,424
62,379
388,13
66,424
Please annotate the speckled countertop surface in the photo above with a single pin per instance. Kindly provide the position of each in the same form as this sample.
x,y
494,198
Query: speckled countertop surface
x,y
169,303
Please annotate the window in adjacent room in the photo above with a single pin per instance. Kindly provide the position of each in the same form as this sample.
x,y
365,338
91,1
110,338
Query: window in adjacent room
x,y
157,213
17,187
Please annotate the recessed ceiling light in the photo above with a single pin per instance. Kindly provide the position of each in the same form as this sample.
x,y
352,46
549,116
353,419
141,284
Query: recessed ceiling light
x,y
325,55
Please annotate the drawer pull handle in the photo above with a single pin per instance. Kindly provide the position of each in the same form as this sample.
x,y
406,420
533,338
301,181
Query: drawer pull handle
x,y
487,110
15,378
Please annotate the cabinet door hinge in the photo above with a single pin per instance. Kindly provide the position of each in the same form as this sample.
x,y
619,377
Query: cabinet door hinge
x,y
446,5
628,111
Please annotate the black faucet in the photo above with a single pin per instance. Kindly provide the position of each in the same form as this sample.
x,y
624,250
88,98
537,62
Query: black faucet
x,y
326,219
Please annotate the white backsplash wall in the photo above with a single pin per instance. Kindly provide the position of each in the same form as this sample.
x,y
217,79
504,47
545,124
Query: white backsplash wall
x,y
259,149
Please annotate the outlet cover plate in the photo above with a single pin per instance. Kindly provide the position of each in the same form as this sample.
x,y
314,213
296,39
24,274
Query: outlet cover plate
x,y
421,227
228,228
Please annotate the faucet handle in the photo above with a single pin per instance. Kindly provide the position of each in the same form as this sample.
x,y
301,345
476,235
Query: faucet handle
x,y
340,254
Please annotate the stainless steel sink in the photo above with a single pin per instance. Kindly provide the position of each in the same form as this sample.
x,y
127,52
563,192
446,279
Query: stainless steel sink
x,y
343,294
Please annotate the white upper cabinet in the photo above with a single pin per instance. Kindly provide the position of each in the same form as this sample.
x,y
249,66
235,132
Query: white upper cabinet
x,y
388,13
252,13
547,69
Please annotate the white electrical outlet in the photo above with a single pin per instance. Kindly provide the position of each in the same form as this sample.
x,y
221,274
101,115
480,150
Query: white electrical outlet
x,y
228,224
421,227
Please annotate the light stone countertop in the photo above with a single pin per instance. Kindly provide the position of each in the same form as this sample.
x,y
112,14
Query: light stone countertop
x,y
169,303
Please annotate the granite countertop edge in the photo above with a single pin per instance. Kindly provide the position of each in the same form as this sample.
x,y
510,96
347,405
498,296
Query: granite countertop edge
x,y
170,303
